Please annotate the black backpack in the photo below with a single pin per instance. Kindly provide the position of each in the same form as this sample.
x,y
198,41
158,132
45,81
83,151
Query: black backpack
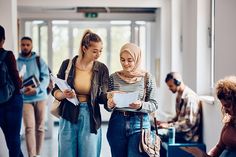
x,y
7,87
50,85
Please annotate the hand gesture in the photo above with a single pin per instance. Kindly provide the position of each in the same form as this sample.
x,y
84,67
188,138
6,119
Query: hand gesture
x,y
162,124
69,93
136,105
110,102
29,90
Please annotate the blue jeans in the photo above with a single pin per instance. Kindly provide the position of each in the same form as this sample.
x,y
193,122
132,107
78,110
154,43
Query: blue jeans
x,y
228,153
10,122
123,134
75,140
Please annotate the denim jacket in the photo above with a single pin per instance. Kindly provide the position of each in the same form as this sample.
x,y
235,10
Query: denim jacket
x,y
99,87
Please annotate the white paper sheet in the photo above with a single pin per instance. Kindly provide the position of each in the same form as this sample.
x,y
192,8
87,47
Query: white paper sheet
x,y
63,85
124,99
22,71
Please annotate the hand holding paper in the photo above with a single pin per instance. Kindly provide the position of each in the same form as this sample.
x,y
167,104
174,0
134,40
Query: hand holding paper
x,y
63,85
125,99
22,71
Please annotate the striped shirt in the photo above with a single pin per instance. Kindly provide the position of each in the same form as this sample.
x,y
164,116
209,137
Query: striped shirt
x,y
149,104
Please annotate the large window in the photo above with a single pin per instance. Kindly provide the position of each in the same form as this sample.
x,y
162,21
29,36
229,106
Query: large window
x,y
58,40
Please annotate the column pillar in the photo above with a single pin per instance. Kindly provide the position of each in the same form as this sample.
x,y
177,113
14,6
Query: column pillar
x,y
8,19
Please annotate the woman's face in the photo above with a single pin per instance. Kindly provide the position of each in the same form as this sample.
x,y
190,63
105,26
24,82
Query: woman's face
x,y
127,61
94,51
228,107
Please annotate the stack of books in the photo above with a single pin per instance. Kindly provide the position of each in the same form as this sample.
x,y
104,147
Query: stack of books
x,y
31,81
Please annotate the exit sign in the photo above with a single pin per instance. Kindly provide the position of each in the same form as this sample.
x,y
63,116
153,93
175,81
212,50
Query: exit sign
x,y
91,15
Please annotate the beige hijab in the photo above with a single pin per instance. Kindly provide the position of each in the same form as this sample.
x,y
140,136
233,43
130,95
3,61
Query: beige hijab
x,y
136,74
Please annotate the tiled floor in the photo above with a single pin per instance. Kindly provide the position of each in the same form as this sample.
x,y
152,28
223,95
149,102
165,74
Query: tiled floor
x,y
50,145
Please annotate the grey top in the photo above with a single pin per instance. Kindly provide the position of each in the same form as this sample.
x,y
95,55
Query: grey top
x,y
149,103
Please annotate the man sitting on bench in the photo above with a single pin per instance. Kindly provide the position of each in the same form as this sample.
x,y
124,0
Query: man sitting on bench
x,y
187,122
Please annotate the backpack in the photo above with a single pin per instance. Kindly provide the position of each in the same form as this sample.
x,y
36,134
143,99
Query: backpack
x,y
7,87
50,85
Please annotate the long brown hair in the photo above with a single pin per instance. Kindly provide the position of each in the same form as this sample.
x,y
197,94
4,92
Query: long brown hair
x,y
87,38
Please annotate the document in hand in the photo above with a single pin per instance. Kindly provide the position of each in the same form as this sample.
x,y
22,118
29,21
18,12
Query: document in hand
x,y
22,71
63,85
31,81
124,99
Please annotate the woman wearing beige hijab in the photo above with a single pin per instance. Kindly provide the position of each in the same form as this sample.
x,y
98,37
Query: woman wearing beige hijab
x,y
124,125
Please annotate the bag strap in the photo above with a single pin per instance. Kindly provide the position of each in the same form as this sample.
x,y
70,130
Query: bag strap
x,y
155,124
144,95
145,86
39,67
38,62
68,69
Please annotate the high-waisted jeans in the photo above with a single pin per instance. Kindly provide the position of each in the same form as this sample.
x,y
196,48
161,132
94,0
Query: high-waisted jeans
x,y
123,134
75,140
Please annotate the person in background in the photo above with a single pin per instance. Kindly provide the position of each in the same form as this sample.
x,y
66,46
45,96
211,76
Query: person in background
x,y
11,111
34,96
226,147
187,122
80,126
123,132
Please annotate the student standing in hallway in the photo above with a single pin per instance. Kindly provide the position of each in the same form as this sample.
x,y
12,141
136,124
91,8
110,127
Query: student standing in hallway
x,y
34,97
80,126
11,110
123,132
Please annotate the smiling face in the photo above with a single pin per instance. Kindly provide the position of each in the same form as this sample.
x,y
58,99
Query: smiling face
x,y
93,51
127,61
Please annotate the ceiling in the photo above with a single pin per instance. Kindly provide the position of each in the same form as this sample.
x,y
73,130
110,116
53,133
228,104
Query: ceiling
x,y
77,8
115,10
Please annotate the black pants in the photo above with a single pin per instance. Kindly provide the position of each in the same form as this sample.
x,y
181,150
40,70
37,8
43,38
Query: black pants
x,y
10,123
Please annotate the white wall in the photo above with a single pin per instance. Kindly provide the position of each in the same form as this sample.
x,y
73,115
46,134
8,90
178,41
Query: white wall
x,y
212,123
8,10
176,36
203,55
164,113
225,38
189,42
